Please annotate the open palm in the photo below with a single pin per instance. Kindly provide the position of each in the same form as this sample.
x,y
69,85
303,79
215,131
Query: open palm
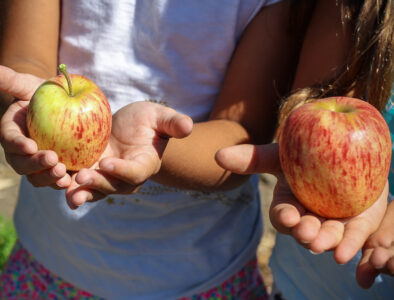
x,y
344,236
140,133
289,216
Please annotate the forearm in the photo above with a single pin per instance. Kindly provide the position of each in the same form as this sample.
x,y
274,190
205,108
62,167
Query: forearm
x,y
30,36
189,163
30,33
325,47
246,108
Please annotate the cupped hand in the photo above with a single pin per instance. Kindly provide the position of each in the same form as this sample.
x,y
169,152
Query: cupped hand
x,y
289,216
42,168
378,252
140,133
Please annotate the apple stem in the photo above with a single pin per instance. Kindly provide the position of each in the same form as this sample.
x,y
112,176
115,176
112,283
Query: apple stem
x,y
63,70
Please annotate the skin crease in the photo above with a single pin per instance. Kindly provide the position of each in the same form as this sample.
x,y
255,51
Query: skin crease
x,y
255,65
346,236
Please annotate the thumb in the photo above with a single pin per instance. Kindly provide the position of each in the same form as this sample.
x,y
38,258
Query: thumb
x,y
171,123
18,85
249,159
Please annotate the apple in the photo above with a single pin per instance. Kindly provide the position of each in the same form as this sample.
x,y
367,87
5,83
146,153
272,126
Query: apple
x,y
70,115
335,154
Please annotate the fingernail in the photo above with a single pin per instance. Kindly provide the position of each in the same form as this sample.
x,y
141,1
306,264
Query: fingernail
x,y
304,242
59,184
108,167
314,253
55,173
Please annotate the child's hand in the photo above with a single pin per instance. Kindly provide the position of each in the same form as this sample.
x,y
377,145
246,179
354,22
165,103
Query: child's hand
x,y
140,133
41,168
378,252
288,215
344,236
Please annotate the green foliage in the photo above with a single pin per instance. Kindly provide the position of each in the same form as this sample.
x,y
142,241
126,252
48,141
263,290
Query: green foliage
x,y
7,239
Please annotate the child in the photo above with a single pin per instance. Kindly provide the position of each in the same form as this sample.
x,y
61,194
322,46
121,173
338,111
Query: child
x,y
298,274
188,230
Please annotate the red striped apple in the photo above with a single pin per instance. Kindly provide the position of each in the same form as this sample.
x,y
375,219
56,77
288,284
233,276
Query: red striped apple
x,y
335,154
70,115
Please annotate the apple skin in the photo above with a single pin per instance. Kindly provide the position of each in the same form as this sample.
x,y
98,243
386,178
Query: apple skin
x,y
335,154
76,127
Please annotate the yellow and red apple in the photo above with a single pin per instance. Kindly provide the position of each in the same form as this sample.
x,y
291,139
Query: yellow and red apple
x,y
70,115
335,154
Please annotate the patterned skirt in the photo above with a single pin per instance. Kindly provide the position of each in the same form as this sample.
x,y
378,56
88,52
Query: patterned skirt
x,y
24,277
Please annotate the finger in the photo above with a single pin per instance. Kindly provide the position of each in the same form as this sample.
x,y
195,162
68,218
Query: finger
x,y
285,210
249,159
380,257
76,195
81,195
359,228
355,234
13,131
171,123
365,273
329,236
284,216
19,85
135,170
30,164
307,229
56,177
390,266
63,182
103,183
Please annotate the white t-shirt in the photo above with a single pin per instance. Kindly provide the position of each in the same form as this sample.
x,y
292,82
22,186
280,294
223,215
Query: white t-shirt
x,y
162,242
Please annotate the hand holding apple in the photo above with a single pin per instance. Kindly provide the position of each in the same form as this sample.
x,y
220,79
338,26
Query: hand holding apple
x,y
41,167
140,133
70,115
343,236
335,154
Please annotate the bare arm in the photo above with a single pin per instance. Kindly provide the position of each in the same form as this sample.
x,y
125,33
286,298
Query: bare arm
x,y
30,32
246,108
323,53
325,46
29,46
30,36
